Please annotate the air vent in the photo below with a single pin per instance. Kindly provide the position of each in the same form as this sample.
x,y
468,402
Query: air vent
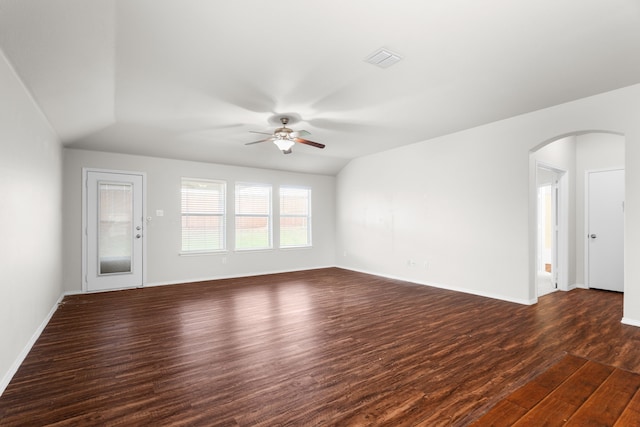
x,y
383,58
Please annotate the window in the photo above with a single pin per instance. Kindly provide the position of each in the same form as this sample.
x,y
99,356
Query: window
x,y
203,215
295,217
253,216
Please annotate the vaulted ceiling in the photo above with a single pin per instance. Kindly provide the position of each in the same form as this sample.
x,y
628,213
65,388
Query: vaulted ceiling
x,y
188,79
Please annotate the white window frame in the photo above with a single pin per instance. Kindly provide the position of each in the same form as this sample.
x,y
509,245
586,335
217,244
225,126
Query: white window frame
x,y
268,215
222,216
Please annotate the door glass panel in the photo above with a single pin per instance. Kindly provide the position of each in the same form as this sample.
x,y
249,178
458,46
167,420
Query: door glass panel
x,y
115,234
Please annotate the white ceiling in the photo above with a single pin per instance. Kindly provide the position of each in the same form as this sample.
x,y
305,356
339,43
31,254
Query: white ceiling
x,y
188,79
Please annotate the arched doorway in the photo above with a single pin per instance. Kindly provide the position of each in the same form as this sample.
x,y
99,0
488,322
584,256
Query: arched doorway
x,y
574,154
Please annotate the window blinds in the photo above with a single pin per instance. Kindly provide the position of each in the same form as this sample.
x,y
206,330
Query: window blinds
x,y
253,216
203,215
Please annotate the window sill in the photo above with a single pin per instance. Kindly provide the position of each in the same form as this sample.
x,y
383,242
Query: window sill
x,y
203,253
240,251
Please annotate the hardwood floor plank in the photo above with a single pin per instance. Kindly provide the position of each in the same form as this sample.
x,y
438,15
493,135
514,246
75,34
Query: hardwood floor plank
x,y
581,385
388,408
565,400
607,403
325,347
517,404
550,412
504,414
628,418
533,392
592,394
634,403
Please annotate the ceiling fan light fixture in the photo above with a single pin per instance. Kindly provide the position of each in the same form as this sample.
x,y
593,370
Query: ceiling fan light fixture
x,y
285,138
284,144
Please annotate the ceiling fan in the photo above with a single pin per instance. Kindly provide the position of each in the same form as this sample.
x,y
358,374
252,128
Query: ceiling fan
x,y
286,138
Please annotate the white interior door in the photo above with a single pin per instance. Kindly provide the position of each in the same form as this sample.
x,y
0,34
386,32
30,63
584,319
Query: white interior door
x,y
114,230
605,230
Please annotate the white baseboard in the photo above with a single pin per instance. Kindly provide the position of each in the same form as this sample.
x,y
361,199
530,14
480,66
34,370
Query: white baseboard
x,y
631,322
447,287
27,348
231,276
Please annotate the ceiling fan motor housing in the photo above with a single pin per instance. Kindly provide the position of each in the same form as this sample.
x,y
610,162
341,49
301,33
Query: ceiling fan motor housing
x,y
282,132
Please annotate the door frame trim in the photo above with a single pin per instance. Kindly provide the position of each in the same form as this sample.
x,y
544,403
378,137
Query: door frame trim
x,y
585,234
85,173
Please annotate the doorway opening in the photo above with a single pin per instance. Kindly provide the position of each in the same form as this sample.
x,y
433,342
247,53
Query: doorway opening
x,y
549,226
567,159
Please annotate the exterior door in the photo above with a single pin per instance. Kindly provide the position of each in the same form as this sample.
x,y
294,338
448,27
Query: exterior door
x,y
114,230
605,230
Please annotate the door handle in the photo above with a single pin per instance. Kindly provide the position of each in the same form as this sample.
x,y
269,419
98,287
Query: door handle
x,y
138,236
593,236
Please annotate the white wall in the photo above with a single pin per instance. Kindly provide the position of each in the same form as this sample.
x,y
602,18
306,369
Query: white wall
x,y
456,203
464,204
30,221
164,264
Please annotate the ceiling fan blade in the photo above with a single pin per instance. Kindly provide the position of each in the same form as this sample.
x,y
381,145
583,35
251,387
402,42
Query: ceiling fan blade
x,y
307,142
261,133
299,133
262,140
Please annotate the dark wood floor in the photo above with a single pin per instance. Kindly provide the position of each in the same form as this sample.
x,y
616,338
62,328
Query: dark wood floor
x,y
316,348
